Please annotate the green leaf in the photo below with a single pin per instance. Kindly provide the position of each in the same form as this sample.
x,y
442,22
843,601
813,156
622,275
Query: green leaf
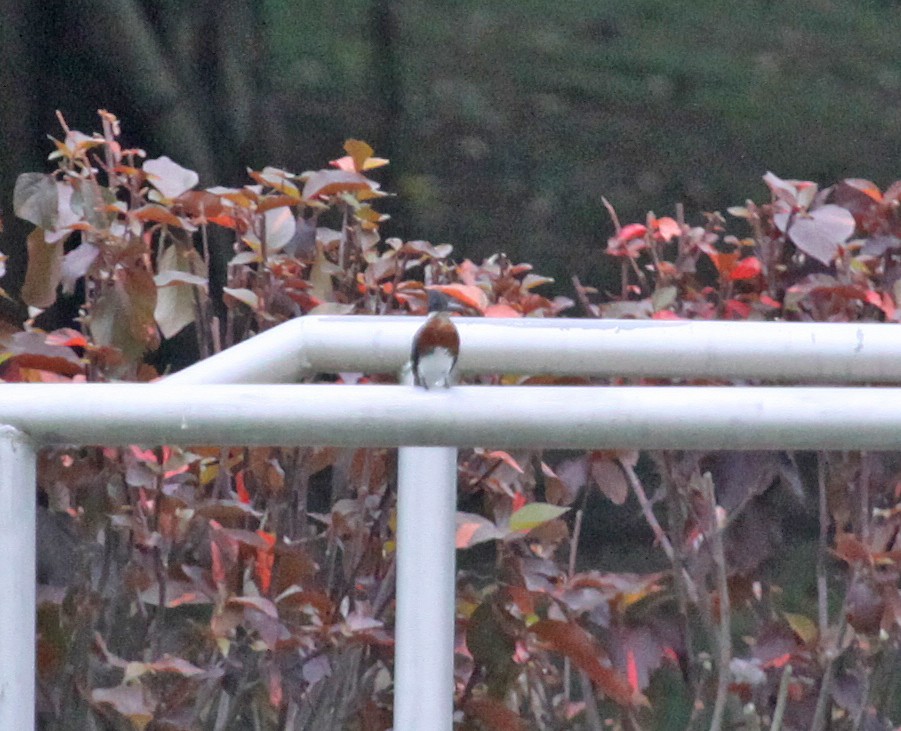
x,y
534,514
35,199
123,316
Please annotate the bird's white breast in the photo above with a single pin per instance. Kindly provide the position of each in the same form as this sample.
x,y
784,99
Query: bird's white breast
x,y
435,368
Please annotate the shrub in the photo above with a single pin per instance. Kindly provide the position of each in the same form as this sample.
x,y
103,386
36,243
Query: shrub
x,y
251,588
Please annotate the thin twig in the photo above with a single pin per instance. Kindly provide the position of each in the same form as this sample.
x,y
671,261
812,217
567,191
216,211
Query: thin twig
x,y
822,547
832,654
864,697
612,211
863,494
592,716
582,296
781,699
715,536
647,511
571,570
819,715
683,594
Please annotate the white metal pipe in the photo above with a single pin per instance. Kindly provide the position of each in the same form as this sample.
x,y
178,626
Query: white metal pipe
x,y
17,579
778,351
424,627
389,416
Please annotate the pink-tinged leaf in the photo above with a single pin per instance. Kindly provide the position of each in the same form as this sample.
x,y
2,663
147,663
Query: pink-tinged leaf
x,y
345,163
129,701
76,264
737,310
277,179
609,477
175,281
169,664
243,295
667,228
67,337
747,268
280,228
506,459
31,350
822,231
501,310
631,231
168,177
66,218
261,604
473,529
174,277
534,514
44,271
782,189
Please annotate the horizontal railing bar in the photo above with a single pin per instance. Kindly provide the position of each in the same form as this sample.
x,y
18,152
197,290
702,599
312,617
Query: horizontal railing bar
x,y
680,349
390,416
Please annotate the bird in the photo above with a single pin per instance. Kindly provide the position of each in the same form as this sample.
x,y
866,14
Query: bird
x,y
436,345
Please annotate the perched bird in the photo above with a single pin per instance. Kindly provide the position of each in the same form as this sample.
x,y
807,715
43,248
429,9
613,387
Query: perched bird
x,y
436,345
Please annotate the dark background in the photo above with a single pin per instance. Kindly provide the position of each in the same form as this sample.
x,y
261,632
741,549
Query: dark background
x,y
506,121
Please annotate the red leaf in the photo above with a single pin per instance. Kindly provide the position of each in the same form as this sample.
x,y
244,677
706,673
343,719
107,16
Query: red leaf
x,y
631,231
241,488
265,560
665,315
67,337
632,669
737,310
747,268
851,550
218,567
468,294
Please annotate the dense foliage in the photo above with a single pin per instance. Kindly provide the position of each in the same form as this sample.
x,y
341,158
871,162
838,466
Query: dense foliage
x,y
229,587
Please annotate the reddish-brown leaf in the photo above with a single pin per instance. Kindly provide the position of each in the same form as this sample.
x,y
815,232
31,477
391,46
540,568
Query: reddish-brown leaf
x,y
494,715
570,640
325,183
157,214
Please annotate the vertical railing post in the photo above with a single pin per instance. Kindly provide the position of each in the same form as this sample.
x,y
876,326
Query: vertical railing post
x,y
424,629
17,580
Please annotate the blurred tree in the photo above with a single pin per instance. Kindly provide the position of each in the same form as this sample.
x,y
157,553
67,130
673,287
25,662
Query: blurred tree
x,y
506,121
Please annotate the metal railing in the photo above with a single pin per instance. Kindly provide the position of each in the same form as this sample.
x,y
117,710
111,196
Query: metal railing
x,y
217,402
